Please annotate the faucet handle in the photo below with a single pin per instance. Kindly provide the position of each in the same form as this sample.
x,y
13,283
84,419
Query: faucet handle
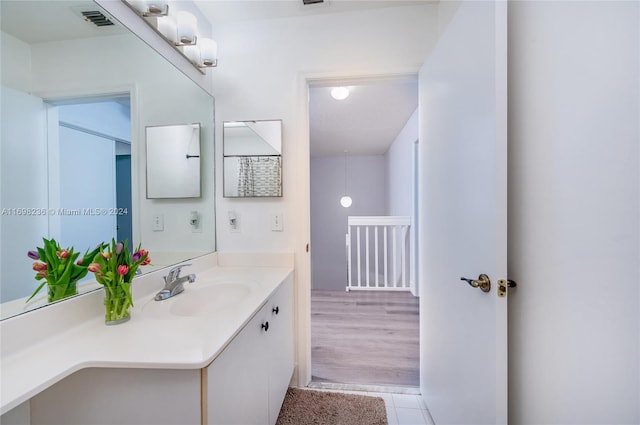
x,y
174,273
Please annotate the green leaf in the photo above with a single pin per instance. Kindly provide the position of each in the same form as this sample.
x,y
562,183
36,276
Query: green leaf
x,y
36,291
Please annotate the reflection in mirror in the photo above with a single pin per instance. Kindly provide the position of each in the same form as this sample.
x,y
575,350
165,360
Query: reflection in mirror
x,y
73,155
252,152
173,161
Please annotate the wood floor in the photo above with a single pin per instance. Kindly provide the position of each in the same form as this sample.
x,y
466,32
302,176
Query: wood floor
x,y
367,338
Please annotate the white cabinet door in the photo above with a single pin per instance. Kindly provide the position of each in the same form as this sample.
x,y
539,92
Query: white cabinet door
x,y
246,384
280,346
236,381
463,158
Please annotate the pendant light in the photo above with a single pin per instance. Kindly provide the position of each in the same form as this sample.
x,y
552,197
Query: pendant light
x,y
346,200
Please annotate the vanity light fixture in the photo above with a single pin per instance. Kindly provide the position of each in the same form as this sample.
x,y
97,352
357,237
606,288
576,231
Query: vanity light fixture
x,y
149,8
346,200
340,93
187,26
208,52
180,30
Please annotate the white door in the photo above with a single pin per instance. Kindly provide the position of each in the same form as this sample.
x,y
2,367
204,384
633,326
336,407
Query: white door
x,y
463,200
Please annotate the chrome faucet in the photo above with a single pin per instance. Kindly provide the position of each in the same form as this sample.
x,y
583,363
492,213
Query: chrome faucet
x,y
173,283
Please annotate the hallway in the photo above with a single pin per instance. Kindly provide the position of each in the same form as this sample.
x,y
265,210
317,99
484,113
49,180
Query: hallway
x,y
365,338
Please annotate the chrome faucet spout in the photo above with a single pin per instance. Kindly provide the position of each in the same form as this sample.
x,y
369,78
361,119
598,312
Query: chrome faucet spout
x,y
173,283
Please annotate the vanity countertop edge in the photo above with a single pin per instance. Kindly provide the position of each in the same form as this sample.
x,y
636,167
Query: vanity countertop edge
x,y
143,342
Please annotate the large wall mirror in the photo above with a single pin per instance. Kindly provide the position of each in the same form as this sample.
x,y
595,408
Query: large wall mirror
x,y
76,97
252,164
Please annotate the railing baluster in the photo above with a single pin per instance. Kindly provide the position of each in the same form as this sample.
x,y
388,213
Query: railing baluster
x,y
358,252
366,254
403,254
395,249
375,239
348,242
386,259
394,257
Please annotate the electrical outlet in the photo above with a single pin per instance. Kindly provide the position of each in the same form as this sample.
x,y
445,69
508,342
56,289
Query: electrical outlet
x,y
276,223
158,223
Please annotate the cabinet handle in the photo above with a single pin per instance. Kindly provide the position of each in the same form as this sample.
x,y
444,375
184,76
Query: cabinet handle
x,y
265,326
276,309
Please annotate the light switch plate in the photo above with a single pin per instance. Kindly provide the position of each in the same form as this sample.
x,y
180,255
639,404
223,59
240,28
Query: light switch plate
x,y
276,223
158,223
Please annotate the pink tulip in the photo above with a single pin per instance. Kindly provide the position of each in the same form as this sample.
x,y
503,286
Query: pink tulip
x,y
39,267
63,254
123,269
94,267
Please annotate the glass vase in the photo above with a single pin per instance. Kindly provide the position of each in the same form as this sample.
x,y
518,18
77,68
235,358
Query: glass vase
x,y
117,304
59,292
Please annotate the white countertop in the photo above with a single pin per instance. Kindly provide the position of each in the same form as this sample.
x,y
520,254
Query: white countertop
x,y
148,341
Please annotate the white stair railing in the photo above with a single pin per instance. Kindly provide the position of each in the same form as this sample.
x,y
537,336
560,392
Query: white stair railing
x,y
378,250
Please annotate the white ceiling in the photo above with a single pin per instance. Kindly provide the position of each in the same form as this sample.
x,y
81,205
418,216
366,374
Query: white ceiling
x,y
366,122
220,12
44,21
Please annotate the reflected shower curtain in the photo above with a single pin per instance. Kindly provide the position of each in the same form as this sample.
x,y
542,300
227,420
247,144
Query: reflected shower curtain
x,y
259,176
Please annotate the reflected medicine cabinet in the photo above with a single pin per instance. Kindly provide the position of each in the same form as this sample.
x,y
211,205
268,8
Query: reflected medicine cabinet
x,y
173,161
252,152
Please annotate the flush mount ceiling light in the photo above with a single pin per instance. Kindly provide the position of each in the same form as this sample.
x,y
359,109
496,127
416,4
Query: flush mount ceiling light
x,y
340,93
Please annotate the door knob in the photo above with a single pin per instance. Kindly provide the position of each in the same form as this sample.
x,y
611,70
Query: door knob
x,y
483,282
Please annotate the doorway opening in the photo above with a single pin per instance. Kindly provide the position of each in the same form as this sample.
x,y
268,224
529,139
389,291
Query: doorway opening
x,y
363,146
89,163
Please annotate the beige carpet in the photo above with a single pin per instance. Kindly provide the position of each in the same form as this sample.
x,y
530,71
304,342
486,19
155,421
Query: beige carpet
x,y
308,407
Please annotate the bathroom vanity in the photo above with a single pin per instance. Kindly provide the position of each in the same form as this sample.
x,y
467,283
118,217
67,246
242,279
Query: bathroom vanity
x,y
221,352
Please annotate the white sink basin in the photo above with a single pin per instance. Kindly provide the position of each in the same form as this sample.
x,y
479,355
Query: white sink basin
x,y
198,300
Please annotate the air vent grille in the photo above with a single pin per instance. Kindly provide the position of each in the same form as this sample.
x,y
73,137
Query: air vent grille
x,y
312,1
97,18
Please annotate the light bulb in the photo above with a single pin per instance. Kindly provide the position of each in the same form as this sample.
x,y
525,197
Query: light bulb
x,y
340,93
187,27
208,52
346,201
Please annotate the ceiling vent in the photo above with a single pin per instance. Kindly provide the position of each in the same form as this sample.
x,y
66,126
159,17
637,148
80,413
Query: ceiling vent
x,y
97,18
312,1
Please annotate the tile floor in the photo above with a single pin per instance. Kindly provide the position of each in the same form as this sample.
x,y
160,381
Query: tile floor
x,y
402,409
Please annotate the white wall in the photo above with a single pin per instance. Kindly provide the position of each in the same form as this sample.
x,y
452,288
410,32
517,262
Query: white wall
x,y
399,163
366,184
574,214
15,72
258,77
123,63
24,164
262,74
109,118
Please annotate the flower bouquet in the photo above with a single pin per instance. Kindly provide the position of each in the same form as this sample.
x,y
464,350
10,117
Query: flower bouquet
x,y
58,269
114,268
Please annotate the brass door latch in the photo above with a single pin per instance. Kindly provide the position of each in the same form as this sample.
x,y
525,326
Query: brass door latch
x,y
483,282
503,285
